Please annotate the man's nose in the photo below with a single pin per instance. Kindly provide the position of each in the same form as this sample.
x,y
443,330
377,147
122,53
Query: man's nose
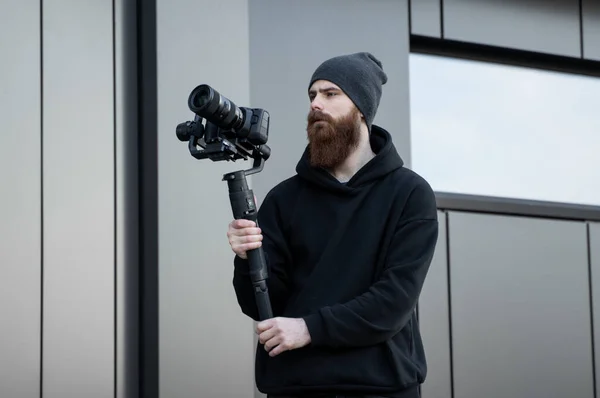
x,y
316,105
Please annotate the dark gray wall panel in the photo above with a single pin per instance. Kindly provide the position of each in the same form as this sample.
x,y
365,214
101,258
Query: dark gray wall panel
x,y
435,322
548,26
425,18
520,307
127,270
591,29
206,342
594,241
79,254
20,203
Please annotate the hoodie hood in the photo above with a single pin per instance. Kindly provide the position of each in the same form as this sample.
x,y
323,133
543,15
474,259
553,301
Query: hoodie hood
x,y
386,160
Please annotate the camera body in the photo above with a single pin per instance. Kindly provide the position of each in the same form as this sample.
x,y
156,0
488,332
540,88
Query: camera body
x,y
229,132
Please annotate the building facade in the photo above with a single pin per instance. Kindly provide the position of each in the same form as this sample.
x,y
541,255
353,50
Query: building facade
x,y
115,262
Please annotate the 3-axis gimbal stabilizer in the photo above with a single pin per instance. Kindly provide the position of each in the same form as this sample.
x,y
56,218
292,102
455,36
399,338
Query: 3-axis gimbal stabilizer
x,y
231,133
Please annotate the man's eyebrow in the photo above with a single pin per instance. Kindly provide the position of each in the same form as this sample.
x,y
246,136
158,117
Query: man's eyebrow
x,y
325,90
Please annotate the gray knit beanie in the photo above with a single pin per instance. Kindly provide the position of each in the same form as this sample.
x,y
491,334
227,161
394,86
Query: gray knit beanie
x,y
360,76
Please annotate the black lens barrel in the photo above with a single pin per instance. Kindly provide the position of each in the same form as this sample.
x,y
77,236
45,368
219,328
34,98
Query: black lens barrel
x,y
208,103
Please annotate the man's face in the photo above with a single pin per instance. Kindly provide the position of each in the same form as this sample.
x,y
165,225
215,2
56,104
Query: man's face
x,y
333,125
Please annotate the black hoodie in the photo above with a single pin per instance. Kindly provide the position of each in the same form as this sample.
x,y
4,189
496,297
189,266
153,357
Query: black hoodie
x,y
350,259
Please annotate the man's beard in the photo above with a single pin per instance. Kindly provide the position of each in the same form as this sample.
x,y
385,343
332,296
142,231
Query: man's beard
x,y
332,141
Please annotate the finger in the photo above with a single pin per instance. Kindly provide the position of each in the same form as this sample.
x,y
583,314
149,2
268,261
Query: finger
x,y
246,231
250,238
238,241
242,223
264,325
268,336
278,350
248,246
273,343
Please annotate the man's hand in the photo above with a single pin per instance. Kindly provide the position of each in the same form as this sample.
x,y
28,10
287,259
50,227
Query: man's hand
x,y
282,334
244,235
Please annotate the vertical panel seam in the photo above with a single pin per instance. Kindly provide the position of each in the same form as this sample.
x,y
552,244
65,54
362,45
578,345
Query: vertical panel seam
x,y
148,347
591,298
442,19
450,338
115,187
41,369
581,28
409,18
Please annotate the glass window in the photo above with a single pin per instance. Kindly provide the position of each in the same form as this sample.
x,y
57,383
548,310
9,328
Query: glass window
x,y
495,130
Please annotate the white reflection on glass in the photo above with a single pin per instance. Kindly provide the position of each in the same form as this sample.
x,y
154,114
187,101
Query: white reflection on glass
x,y
486,129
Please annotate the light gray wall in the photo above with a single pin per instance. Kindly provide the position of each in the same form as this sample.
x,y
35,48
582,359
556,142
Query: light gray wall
x,y
78,199
548,26
20,219
425,18
591,29
64,117
434,320
520,307
206,346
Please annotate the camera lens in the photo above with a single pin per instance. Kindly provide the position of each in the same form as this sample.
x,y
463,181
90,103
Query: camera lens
x,y
206,102
203,97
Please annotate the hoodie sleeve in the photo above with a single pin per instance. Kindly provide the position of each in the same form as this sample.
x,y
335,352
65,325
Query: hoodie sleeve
x,y
277,257
386,307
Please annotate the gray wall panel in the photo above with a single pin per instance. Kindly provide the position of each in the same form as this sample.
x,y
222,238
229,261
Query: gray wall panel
x,y
425,18
520,307
20,218
126,200
206,347
594,241
548,26
591,29
78,145
435,322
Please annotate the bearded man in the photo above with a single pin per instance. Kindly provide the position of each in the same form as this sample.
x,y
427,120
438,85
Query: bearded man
x,y
348,242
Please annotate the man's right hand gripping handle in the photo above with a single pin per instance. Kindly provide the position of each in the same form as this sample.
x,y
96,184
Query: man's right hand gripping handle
x,y
245,239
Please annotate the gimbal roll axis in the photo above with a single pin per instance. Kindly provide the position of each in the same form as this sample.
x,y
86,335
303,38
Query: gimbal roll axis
x,y
231,133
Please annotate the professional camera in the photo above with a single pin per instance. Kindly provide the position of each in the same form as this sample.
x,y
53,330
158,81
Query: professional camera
x,y
231,133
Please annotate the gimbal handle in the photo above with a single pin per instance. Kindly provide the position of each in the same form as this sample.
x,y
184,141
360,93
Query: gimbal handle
x,y
244,206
